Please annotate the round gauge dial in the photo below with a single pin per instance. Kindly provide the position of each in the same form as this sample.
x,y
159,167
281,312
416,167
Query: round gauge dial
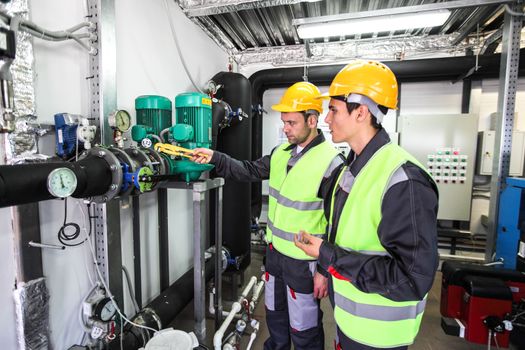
x,y
61,182
105,310
120,120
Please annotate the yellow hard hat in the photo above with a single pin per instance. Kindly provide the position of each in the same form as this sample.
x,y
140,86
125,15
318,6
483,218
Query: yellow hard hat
x,y
300,97
369,78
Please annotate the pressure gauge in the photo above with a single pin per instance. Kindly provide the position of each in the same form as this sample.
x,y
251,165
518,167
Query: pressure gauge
x,y
120,120
104,310
61,182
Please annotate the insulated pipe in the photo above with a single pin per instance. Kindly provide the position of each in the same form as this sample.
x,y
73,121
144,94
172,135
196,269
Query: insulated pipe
x,y
236,142
27,183
409,70
137,268
434,69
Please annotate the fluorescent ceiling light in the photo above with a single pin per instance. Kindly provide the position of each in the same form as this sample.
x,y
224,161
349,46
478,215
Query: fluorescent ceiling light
x,y
373,24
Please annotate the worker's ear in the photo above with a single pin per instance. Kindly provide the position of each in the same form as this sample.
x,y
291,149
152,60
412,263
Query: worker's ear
x,y
362,113
311,121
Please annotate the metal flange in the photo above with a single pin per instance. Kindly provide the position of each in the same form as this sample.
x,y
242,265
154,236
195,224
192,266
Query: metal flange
x,y
124,158
116,173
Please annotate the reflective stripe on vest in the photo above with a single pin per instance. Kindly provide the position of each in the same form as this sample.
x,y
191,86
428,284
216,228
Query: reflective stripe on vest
x,y
363,316
380,313
293,204
368,252
288,236
287,202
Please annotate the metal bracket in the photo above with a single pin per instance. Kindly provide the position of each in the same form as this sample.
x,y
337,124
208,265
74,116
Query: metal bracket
x,y
200,190
508,80
103,102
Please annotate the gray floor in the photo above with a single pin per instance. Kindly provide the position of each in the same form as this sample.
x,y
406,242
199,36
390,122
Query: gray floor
x,y
430,337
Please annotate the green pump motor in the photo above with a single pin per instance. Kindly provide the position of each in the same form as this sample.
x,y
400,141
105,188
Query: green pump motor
x,y
154,112
153,116
193,129
193,120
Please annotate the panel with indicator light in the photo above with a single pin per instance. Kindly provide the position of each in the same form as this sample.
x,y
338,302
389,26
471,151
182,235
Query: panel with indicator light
x,y
447,164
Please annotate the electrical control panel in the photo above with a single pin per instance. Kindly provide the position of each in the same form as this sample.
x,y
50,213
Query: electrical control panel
x,y
486,153
448,165
446,145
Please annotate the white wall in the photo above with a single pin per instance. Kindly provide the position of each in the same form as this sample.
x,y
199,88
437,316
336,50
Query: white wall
x,y
147,63
60,67
429,98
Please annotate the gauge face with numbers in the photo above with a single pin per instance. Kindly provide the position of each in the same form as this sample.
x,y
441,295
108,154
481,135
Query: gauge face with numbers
x,y
61,182
122,120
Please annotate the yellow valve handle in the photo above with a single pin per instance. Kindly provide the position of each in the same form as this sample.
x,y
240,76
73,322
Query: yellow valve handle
x,y
176,150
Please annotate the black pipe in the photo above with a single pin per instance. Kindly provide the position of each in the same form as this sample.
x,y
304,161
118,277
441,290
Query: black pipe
x,y
136,250
163,308
219,111
164,248
410,70
467,88
434,69
465,95
236,142
27,183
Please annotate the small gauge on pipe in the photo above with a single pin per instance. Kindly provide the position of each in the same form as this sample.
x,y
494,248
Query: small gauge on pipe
x,y
61,182
120,120
104,310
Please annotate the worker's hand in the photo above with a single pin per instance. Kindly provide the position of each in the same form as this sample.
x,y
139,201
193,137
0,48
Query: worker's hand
x,y
320,286
201,155
308,243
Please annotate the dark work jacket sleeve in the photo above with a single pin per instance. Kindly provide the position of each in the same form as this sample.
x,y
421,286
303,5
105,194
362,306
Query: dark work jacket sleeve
x,y
241,170
408,231
325,191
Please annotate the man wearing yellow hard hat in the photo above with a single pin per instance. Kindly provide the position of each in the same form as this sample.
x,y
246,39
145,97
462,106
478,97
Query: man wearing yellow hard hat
x,y
297,171
381,249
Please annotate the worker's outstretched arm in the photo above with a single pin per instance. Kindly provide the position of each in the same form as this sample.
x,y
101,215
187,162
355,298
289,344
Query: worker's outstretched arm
x,y
230,168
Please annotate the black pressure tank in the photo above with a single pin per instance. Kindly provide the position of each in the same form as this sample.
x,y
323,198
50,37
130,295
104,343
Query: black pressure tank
x,y
235,141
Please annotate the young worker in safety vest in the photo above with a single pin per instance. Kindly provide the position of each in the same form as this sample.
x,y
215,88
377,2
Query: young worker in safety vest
x,y
297,171
382,246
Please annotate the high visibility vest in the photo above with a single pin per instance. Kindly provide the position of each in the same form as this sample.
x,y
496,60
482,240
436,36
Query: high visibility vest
x,y
369,318
293,203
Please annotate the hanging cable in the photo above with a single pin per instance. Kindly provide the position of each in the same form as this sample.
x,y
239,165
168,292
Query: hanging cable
x,y
84,227
64,237
41,33
174,36
130,289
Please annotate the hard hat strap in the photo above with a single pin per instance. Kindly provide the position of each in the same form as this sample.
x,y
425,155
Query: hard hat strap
x,y
364,100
